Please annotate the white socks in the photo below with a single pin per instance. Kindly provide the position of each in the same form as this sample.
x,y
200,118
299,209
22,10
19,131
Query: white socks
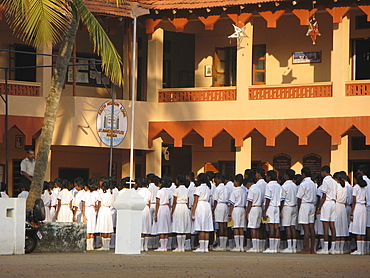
x,y
326,246
142,244
241,242
289,241
360,246
223,242
201,244
181,242
237,241
255,243
106,242
294,244
90,244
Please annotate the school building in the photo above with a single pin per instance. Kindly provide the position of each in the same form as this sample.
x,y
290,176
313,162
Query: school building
x,y
290,88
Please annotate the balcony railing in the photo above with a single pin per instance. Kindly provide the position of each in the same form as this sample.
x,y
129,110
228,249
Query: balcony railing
x,y
358,89
290,91
197,94
20,89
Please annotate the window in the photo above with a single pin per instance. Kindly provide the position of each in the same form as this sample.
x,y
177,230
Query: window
x,y
362,23
224,66
358,144
362,59
259,64
24,63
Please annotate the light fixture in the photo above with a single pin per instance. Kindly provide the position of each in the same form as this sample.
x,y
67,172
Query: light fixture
x,y
224,8
277,4
191,11
208,10
241,7
294,3
174,11
259,5
156,11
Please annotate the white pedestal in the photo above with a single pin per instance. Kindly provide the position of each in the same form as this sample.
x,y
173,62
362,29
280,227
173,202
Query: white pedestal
x,y
129,205
12,225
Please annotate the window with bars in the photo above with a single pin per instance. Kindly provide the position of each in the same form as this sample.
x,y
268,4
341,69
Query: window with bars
x,y
259,64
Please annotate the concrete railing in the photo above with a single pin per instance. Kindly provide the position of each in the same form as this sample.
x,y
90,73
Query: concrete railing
x,y
197,94
21,88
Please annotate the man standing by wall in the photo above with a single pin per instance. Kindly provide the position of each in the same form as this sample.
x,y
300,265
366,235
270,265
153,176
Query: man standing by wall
x,y
27,168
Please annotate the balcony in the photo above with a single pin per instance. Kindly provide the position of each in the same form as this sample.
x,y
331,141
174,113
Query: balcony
x,y
358,88
21,88
290,91
197,94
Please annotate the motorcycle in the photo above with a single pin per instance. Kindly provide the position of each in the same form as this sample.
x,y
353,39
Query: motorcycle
x,y
33,225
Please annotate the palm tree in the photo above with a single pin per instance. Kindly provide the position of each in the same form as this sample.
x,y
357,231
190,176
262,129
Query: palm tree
x,y
45,22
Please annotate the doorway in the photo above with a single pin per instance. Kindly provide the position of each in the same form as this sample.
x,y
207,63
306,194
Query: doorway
x,y
362,60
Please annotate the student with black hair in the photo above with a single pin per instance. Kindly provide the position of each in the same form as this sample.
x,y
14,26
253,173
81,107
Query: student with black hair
x,y
289,211
341,223
46,198
306,210
327,210
89,208
358,213
79,186
364,170
319,228
65,198
190,238
271,211
202,213
146,220
3,190
261,184
22,188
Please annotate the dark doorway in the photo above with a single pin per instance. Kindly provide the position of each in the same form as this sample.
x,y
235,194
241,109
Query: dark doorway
x,y
179,160
71,173
362,48
25,60
353,164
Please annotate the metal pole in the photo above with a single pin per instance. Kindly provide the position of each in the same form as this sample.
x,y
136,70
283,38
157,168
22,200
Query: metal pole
x,y
133,86
6,129
111,135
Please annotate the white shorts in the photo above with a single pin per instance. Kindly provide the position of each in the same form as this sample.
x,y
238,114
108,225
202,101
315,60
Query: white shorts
x,y
239,217
306,214
254,218
289,215
221,212
273,214
328,211
368,217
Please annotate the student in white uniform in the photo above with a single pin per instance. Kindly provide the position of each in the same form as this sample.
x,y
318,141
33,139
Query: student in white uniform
x,y
24,192
341,223
289,210
272,211
3,190
306,210
65,198
358,213
46,198
220,210
89,208
319,228
238,200
104,222
190,238
202,213
261,183
181,219
79,186
146,220
153,188
55,189
327,210
162,216
364,170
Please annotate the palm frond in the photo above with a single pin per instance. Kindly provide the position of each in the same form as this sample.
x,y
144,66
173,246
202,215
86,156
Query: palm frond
x,y
41,22
103,46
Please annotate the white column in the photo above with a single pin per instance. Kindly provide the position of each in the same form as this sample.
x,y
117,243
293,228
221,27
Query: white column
x,y
340,60
243,156
155,64
339,156
154,158
129,207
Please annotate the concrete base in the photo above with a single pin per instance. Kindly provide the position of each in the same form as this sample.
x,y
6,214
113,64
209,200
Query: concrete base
x,y
62,237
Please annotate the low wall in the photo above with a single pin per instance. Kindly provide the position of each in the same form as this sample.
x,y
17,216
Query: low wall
x,y
62,237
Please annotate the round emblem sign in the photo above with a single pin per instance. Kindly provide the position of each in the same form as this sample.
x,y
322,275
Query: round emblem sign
x,y
104,122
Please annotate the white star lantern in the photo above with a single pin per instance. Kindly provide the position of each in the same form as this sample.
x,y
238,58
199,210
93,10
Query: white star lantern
x,y
239,33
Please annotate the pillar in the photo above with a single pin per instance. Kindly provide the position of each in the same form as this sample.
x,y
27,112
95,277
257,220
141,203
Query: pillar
x,y
43,75
154,158
243,156
339,156
340,60
155,64
244,63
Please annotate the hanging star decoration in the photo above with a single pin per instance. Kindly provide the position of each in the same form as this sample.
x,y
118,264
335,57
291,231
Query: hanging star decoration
x,y
239,33
313,30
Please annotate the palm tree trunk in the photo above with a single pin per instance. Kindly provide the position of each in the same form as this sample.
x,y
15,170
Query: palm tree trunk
x,y
51,110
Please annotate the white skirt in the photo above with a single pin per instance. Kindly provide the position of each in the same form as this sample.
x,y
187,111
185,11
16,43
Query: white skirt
x,y
203,217
358,226
90,214
341,223
47,214
146,221
163,224
52,214
104,223
181,219
65,214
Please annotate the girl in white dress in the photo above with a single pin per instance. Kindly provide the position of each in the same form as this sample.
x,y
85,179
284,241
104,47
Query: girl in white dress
x,y
89,207
146,220
181,220
358,213
201,213
104,222
341,223
65,197
55,189
162,215
46,198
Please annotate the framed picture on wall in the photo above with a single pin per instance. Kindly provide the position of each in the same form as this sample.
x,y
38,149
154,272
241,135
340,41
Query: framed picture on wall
x,y
307,57
208,70
19,142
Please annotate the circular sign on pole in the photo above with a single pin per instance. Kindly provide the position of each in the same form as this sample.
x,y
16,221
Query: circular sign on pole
x,y
104,123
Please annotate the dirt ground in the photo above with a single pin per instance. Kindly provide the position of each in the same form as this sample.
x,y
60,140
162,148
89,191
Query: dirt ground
x,y
213,264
